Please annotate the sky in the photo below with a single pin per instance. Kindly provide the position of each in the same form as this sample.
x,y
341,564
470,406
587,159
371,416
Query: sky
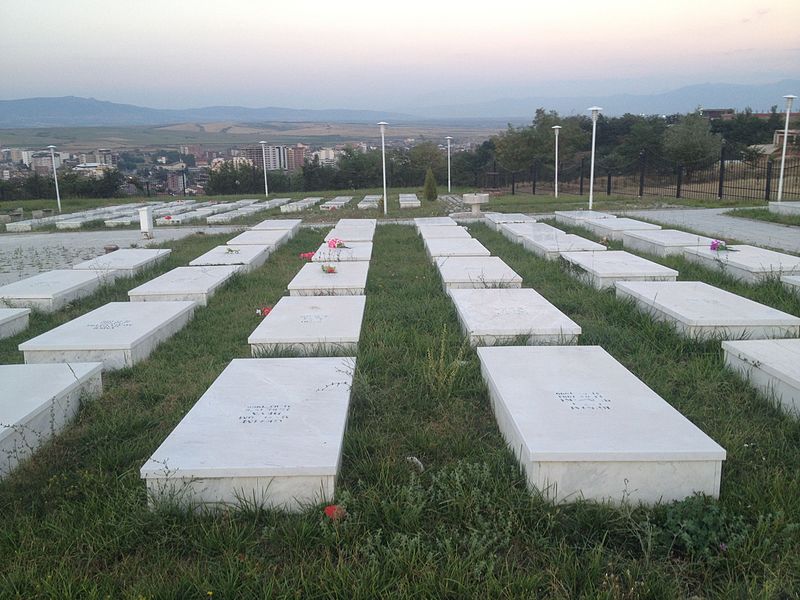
x,y
386,55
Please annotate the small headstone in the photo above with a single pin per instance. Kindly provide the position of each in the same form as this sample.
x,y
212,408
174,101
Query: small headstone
x,y
603,269
248,257
13,321
436,247
574,217
664,242
123,263
267,433
443,231
584,427
495,220
434,221
336,279
614,229
352,233
197,284
51,290
352,251
118,334
291,225
262,237
476,272
550,247
748,263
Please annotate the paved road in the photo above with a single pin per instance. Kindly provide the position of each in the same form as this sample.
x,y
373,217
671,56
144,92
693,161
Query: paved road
x,y
713,223
26,254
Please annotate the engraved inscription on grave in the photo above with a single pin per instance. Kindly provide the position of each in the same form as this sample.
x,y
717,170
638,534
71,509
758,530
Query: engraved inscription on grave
x,y
584,401
264,413
111,324
313,318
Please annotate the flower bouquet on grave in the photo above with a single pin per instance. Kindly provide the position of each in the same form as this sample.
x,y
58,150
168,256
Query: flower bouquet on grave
x,y
336,243
263,311
230,250
307,256
720,246
328,269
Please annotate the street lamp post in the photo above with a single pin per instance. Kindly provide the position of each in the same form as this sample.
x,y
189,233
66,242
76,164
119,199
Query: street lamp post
x,y
383,125
55,177
789,99
264,162
448,138
556,129
595,113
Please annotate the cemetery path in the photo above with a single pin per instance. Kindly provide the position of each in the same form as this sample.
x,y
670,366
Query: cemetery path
x,y
714,222
26,254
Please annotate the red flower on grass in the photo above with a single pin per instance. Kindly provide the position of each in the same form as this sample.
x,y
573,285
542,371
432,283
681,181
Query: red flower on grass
x,y
335,512
306,255
263,311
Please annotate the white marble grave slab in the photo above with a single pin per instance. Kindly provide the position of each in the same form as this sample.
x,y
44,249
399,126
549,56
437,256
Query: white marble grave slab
x,y
350,279
357,223
310,325
614,229
748,263
292,225
792,282
37,401
550,247
584,427
436,247
460,272
771,366
785,208
118,334
124,263
51,290
702,311
434,221
268,432
574,217
603,269
353,251
495,220
13,321
361,233
664,242
502,316
184,283
248,257
262,237
516,231
443,231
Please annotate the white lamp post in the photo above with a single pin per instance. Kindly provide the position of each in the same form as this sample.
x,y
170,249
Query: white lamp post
x,y
448,138
595,113
383,125
264,161
789,99
55,177
556,129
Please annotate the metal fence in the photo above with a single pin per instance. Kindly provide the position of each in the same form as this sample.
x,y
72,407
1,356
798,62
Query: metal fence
x,y
725,178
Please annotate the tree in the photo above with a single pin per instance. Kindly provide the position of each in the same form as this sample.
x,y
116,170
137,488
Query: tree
x,y
691,143
429,191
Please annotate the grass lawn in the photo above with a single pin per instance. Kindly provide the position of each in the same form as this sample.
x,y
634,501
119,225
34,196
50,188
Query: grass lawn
x,y
75,517
763,214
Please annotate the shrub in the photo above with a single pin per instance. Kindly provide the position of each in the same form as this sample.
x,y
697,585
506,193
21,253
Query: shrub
x,y
429,191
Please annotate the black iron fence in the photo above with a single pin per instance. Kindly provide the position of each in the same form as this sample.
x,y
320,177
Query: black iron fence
x,y
725,178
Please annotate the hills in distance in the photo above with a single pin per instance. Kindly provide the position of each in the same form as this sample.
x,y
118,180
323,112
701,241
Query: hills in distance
x,y
72,111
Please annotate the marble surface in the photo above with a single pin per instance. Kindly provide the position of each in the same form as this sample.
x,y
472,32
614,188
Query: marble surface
x,y
603,269
247,257
703,311
502,316
792,282
443,231
551,246
748,263
516,231
310,325
583,426
349,279
292,225
352,233
37,401
434,222
771,366
355,251
13,321
263,237
268,431
495,220
124,263
663,242
614,229
476,272
436,247
574,217
118,334
50,291
184,283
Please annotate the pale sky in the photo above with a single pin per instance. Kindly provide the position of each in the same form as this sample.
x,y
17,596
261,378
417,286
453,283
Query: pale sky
x,y
385,55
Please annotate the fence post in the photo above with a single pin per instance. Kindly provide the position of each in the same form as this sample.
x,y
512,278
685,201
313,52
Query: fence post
x,y
581,188
513,183
768,185
721,189
608,184
679,183
641,173
534,173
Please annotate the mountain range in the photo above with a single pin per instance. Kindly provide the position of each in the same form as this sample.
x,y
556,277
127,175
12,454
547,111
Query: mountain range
x,y
72,111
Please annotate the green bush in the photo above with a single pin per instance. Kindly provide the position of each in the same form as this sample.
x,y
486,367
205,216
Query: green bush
x,y
429,191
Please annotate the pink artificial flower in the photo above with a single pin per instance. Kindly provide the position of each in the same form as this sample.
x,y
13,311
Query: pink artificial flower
x,y
168,218
715,244
306,255
328,269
